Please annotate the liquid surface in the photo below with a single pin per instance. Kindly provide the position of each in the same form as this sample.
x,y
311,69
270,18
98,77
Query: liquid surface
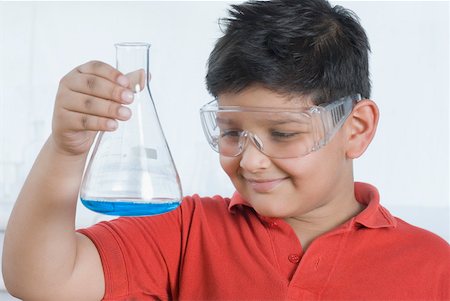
x,y
129,208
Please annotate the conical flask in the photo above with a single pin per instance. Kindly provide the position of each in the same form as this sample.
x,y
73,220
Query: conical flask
x,y
131,171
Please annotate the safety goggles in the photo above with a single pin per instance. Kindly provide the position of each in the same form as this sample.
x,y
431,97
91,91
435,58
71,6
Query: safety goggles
x,y
277,133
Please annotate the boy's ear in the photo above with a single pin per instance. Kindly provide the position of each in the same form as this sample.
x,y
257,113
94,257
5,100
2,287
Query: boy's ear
x,y
362,126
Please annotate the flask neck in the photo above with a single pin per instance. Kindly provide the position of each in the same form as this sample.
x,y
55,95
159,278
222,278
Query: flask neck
x,y
132,59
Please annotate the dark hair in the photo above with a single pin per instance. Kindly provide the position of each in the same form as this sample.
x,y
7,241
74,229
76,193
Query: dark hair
x,y
302,47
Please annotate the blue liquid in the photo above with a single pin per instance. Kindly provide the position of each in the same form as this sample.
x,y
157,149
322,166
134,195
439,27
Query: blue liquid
x,y
129,208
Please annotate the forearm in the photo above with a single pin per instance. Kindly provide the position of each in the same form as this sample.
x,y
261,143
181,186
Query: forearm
x,y
40,241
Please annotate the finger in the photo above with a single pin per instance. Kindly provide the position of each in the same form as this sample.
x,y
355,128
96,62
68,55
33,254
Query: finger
x,y
99,87
137,80
97,106
84,122
104,70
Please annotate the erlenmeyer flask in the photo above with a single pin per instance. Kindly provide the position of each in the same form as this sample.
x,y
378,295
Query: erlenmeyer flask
x,y
131,171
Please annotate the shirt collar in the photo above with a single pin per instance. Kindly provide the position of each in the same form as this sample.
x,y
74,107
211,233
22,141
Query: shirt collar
x,y
374,216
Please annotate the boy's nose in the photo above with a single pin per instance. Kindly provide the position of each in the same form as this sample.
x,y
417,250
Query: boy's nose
x,y
252,159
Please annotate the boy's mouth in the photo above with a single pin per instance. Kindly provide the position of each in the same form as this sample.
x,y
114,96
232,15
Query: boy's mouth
x,y
264,185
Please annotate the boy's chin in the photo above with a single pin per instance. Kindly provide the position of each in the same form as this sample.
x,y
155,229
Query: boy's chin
x,y
270,210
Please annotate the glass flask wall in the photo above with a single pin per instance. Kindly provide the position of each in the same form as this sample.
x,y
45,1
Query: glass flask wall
x,y
131,171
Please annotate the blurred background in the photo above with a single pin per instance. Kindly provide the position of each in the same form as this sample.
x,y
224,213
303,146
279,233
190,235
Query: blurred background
x,y
408,160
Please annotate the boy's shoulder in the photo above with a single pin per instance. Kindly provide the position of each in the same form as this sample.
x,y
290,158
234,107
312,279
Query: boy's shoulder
x,y
216,203
389,230
197,202
420,238
226,215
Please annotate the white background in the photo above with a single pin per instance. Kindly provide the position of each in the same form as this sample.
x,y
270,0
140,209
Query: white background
x,y
408,160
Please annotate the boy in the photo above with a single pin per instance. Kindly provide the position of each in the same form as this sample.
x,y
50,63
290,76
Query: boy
x,y
291,79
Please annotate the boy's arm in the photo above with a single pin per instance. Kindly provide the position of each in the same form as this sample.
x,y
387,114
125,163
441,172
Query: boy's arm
x,y
43,257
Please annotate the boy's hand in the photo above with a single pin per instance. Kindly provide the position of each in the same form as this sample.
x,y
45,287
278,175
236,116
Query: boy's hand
x,y
90,98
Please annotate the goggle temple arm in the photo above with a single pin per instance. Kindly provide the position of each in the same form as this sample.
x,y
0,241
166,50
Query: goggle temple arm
x,y
332,117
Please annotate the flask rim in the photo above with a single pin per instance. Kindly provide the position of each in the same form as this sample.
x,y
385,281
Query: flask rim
x,y
132,44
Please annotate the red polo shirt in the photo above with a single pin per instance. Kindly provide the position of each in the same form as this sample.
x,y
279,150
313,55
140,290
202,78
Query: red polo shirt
x,y
220,249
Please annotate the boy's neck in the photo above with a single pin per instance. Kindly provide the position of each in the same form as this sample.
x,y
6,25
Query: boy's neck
x,y
324,219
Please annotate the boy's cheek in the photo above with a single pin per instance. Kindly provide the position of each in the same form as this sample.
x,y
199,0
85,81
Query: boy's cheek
x,y
230,165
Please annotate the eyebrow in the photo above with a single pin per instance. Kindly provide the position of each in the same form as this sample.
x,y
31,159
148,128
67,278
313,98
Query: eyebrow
x,y
270,121
223,121
284,121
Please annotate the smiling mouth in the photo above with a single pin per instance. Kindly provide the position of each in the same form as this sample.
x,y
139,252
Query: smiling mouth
x,y
264,186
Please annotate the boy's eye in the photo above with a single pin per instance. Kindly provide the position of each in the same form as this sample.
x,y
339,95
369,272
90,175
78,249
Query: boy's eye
x,y
230,133
278,134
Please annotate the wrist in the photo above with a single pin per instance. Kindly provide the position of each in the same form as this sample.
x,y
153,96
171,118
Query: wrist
x,y
60,154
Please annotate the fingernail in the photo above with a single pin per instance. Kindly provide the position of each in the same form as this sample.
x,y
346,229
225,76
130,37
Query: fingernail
x,y
124,112
111,124
127,96
123,81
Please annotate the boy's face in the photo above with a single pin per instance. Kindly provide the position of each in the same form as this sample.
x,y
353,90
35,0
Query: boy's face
x,y
291,187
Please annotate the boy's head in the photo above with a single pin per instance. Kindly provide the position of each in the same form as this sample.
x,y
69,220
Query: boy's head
x,y
276,59
290,47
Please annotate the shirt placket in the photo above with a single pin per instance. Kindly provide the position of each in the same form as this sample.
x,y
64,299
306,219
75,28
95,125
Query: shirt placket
x,y
316,266
286,247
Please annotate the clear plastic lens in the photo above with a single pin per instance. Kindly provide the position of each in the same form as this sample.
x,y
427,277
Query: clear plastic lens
x,y
276,133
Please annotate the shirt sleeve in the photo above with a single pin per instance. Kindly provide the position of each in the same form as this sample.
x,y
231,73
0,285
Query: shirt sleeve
x,y
141,255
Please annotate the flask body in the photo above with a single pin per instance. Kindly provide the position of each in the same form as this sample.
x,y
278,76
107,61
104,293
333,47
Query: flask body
x,y
131,171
